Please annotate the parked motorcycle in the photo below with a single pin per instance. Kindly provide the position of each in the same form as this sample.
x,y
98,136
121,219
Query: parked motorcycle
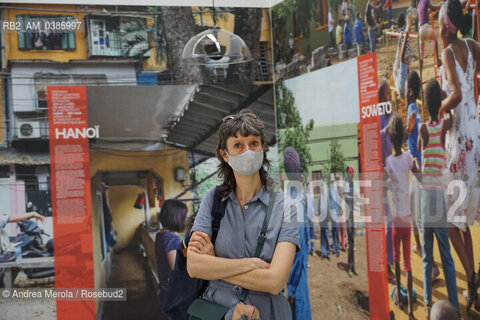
x,y
31,243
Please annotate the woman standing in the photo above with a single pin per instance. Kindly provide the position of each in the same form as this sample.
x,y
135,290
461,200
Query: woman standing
x,y
463,143
172,218
230,265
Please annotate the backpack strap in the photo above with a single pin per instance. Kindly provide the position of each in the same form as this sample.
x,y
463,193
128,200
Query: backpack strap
x,y
261,239
218,211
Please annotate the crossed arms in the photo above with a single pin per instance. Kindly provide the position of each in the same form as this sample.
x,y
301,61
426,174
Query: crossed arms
x,y
249,273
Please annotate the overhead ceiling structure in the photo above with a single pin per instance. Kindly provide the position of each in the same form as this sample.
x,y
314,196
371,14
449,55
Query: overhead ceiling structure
x,y
197,129
130,114
144,118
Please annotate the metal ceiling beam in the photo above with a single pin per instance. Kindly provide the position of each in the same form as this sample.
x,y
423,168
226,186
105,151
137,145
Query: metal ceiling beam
x,y
245,104
178,146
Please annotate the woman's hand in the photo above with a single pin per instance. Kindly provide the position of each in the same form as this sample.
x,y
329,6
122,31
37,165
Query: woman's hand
x,y
200,243
245,311
272,279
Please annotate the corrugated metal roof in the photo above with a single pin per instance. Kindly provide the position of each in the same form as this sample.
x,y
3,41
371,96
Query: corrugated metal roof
x,y
12,156
136,113
197,129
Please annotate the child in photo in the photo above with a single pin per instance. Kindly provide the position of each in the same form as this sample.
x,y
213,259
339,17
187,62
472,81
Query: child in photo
x,y
385,95
425,29
443,310
412,94
398,167
402,27
431,142
403,58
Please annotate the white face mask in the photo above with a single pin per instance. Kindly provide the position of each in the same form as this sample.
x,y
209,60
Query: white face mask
x,y
246,163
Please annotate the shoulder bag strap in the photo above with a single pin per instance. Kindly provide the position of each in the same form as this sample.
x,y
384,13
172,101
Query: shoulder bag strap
x,y
261,239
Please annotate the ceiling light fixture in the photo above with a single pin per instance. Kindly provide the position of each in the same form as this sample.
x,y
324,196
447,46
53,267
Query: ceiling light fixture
x,y
215,47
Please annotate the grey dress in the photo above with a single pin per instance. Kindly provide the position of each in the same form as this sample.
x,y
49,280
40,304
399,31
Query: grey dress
x,y
237,238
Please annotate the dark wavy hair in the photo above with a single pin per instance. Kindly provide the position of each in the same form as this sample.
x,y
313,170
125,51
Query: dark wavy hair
x,y
173,215
455,12
396,132
383,86
246,123
414,83
433,97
